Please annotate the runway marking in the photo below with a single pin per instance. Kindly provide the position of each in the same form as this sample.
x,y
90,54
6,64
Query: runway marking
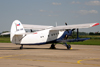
x,y
11,56
78,62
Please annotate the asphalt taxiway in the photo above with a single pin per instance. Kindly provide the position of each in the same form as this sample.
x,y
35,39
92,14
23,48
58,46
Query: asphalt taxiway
x,y
42,56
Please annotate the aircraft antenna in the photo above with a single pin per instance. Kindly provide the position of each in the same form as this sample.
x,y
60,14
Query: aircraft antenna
x,y
56,23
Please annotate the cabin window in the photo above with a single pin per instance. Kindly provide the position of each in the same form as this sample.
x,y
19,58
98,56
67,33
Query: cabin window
x,y
48,35
51,34
54,34
41,36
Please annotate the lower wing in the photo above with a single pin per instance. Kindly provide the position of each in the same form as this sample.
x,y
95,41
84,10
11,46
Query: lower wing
x,y
73,40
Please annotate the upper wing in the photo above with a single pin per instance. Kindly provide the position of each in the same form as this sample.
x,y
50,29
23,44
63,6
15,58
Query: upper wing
x,y
36,27
41,27
75,26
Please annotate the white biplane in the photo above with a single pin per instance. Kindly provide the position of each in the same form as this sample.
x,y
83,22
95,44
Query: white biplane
x,y
45,34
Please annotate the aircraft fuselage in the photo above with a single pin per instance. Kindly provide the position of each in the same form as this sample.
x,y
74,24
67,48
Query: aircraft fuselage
x,y
42,37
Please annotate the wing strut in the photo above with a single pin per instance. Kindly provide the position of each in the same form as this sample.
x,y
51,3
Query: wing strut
x,y
77,33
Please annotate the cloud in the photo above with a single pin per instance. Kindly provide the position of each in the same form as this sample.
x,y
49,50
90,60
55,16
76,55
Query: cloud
x,y
53,15
93,3
84,12
46,11
54,3
49,15
75,2
42,11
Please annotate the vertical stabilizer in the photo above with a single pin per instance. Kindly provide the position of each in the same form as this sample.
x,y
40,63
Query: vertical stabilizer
x,y
17,32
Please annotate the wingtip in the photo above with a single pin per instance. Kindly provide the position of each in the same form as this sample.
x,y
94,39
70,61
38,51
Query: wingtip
x,y
95,24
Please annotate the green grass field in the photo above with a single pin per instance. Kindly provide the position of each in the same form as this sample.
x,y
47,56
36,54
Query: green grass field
x,y
95,40
5,40
87,42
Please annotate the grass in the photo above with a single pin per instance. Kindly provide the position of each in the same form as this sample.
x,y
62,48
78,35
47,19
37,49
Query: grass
x,y
5,40
95,40
87,42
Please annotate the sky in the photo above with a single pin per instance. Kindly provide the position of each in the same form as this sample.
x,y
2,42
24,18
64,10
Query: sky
x,y
48,12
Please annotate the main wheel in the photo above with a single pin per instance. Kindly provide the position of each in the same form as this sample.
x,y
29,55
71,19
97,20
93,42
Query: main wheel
x,y
68,47
52,46
21,47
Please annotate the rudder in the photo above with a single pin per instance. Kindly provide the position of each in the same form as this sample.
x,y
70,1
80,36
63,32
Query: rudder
x,y
17,32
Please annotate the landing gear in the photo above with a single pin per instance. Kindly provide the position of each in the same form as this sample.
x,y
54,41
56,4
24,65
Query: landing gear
x,y
68,46
53,46
21,47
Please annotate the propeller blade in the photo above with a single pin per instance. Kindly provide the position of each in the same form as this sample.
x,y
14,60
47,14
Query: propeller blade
x,y
65,23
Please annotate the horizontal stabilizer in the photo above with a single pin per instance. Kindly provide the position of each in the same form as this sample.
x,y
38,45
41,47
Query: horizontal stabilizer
x,y
7,33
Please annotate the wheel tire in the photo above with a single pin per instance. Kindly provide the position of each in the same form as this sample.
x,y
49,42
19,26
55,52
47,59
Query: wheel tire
x,y
52,46
68,47
21,47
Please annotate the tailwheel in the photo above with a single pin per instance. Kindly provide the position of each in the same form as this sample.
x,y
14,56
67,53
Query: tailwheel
x,y
21,47
53,46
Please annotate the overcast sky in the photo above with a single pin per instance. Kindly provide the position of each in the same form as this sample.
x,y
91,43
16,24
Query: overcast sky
x,y
48,12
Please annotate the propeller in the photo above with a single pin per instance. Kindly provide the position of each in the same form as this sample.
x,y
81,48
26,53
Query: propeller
x,y
65,23
31,30
73,35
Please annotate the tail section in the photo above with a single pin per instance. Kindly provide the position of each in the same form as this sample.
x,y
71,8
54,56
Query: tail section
x,y
17,32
